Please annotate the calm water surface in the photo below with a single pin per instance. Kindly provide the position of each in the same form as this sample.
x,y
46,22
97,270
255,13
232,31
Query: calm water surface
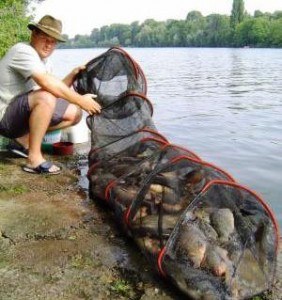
x,y
223,104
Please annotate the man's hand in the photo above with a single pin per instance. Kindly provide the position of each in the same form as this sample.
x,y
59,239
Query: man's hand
x,y
90,105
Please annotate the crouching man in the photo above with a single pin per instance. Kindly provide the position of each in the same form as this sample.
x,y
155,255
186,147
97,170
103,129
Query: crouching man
x,y
32,100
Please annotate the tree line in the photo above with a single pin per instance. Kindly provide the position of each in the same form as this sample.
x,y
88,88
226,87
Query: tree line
x,y
237,30
215,30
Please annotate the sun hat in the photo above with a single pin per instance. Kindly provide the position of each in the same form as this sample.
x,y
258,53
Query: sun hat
x,y
50,26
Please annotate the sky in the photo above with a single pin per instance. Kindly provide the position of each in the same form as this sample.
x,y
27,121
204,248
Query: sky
x,y
80,17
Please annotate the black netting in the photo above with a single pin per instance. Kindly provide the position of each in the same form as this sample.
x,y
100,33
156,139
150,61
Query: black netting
x,y
213,238
140,143
226,237
122,119
111,83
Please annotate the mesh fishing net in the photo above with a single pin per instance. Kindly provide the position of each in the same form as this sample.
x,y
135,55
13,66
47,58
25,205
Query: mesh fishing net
x,y
213,238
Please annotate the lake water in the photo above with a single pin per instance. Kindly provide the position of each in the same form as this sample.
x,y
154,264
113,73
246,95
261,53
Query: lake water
x,y
223,104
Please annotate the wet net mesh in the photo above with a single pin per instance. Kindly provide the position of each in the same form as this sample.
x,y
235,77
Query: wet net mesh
x,y
213,238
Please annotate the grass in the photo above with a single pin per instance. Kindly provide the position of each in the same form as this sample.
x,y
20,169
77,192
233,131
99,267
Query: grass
x,y
15,190
121,287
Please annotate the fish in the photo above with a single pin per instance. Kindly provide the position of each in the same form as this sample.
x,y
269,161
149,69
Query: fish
x,y
146,153
222,221
99,183
149,225
251,279
208,230
156,188
125,195
173,208
178,180
129,160
217,260
266,237
166,194
119,169
142,212
122,166
194,176
192,182
203,214
168,179
148,245
170,201
192,244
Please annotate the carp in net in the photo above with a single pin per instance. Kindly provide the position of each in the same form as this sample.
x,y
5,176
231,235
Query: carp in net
x,y
210,236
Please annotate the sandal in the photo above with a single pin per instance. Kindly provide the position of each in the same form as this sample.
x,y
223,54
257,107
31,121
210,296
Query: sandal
x,y
16,148
43,168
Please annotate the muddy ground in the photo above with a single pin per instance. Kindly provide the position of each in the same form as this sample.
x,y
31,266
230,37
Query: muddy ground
x,y
56,243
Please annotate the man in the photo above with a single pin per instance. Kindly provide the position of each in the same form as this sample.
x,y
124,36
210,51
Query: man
x,y
32,101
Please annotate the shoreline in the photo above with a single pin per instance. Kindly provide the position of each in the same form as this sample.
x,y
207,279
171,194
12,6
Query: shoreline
x,y
56,243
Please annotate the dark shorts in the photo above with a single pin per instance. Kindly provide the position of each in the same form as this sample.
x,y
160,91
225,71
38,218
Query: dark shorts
x,y
15,122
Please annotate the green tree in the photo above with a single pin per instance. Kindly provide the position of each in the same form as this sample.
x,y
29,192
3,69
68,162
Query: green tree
x,y
194,29
217,31
13,23
237,13
95,36
277,14
194,16
253,32
135,28
82,41
275,33
143,38
174,33
120,34
104,33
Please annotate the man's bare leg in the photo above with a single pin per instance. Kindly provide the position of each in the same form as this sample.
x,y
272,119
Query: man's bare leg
x,y
42,105
72,116
24,141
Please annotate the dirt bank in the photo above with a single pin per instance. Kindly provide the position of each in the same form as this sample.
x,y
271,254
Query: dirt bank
x,y
55,243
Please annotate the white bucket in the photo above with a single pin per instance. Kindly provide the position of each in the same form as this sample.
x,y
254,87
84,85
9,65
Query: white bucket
x,y
78,133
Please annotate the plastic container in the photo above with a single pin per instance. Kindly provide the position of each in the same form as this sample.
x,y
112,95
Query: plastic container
x,y
49,139
4,142
63,148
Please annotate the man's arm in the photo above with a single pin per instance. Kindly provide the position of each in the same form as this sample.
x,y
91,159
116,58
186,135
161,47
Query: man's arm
x,y
69,79
59,89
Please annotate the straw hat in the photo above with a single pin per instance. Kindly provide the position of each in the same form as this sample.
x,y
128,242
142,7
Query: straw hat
x,y
50,26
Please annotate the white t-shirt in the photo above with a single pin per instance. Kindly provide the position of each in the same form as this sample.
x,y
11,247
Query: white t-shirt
x,y
16,68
